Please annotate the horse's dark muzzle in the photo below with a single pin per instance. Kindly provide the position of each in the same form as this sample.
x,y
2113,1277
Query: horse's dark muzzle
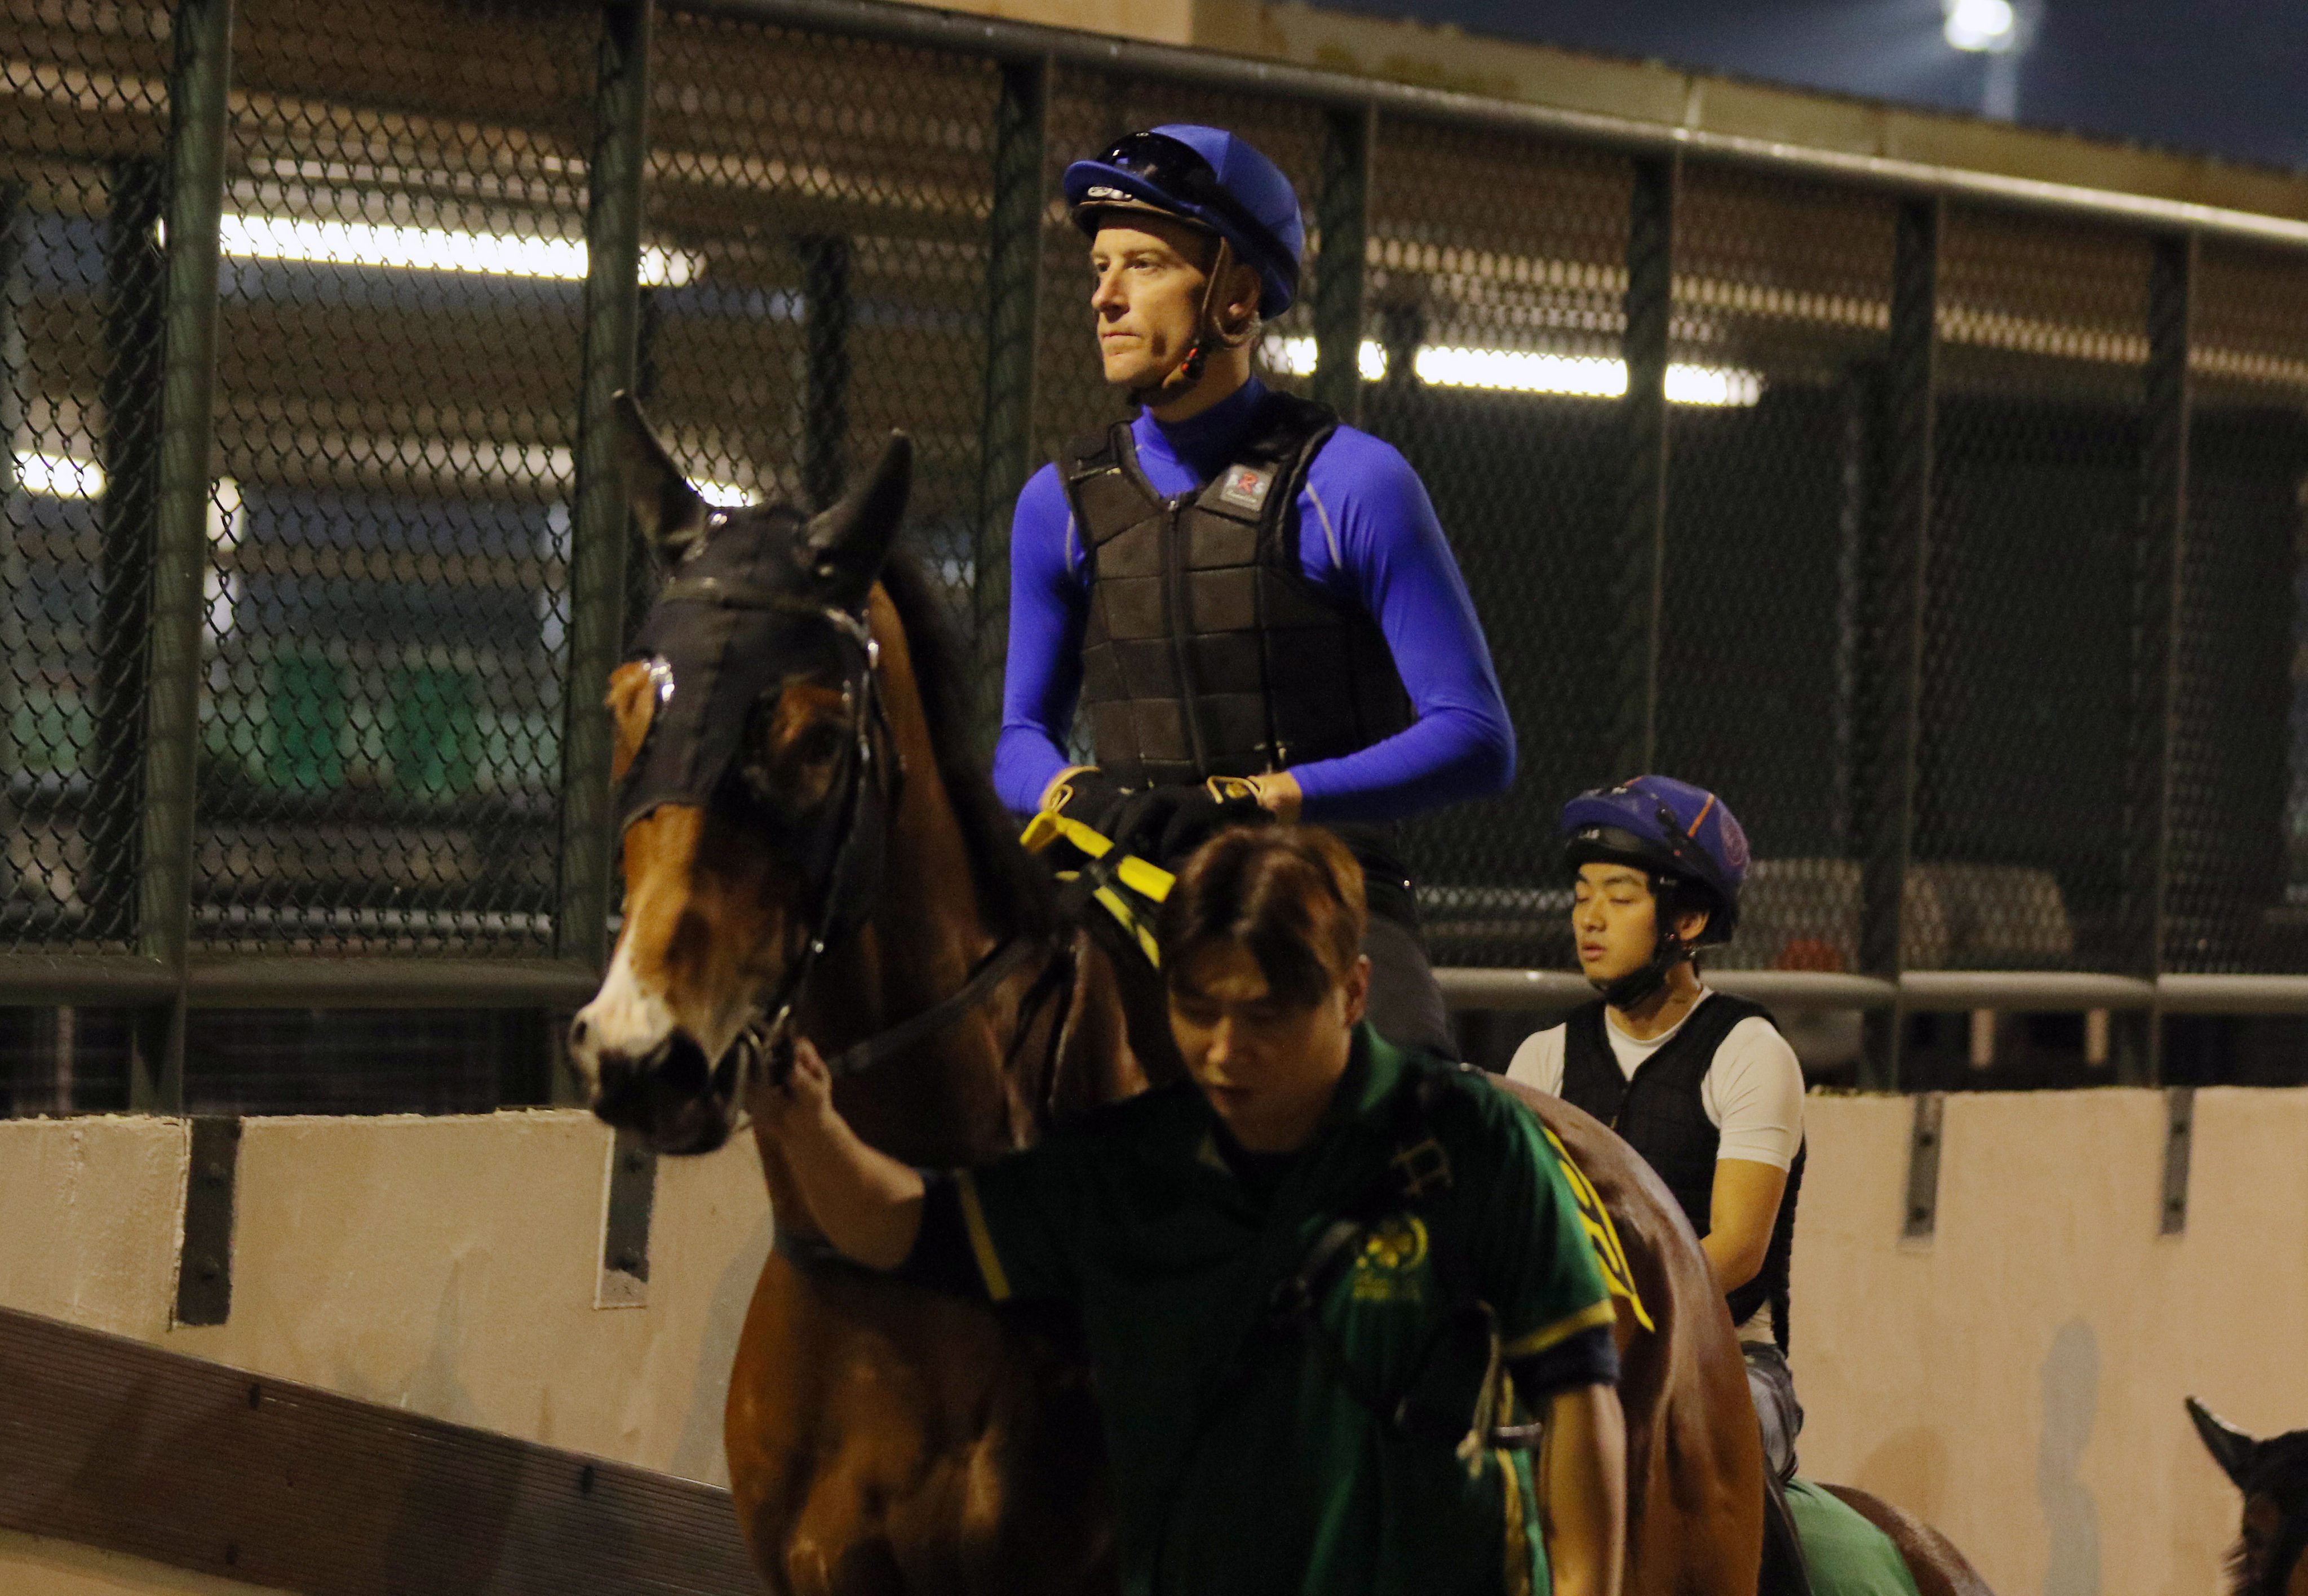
x,y
675,1098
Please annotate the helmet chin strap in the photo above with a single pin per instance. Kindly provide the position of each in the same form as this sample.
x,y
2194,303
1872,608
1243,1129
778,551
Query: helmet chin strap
x,y
1181,378
1642,983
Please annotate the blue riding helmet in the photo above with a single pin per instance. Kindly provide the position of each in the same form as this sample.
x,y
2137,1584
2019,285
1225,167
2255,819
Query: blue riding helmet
x,y
1211,178
1669,828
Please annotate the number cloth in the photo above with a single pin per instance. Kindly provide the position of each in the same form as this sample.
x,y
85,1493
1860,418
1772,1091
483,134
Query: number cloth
x,y
1843,1553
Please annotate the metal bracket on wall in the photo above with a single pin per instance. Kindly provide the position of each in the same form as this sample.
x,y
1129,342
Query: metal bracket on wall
x,y
2179,1143
628,1195
1922,1210
204,1267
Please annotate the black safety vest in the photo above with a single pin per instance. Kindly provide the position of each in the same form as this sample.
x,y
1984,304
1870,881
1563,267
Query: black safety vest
x,y
1661,1114
1207,652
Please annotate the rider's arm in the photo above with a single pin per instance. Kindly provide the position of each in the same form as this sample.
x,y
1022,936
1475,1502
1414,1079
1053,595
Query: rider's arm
x,y
1754,1093
1582,1468
994,1233
1367,527
1048,606
1745,1207
868,1202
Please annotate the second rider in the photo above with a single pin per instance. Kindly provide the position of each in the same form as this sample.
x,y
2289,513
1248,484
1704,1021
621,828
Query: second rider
x,y
1233,585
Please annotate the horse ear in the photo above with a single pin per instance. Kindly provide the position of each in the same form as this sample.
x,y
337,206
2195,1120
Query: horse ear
x,y
2230,1447
846,545
670,513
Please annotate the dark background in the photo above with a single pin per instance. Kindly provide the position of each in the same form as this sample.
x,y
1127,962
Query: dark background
x,y
2221,77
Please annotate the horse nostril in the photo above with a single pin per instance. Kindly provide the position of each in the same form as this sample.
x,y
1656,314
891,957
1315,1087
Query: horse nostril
x,y
579,1030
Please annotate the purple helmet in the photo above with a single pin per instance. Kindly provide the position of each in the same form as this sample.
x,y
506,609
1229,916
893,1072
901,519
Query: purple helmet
x,y
1669,828
1209,176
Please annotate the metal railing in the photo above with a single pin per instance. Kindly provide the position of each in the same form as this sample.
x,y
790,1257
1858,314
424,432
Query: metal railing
x,y
944,232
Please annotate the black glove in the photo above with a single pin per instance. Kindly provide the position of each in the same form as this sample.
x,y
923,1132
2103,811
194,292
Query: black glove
x,y
1201,813
1091,797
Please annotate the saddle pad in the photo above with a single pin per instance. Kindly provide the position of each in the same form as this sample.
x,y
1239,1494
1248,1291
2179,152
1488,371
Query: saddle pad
x,y
1844,1554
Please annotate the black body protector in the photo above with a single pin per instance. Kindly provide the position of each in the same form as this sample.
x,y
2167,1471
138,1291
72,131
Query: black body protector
x,y
1661,1114
1208,650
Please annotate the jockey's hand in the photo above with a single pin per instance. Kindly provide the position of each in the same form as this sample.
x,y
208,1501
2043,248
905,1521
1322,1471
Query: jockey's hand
x,y
1087,794
803,1103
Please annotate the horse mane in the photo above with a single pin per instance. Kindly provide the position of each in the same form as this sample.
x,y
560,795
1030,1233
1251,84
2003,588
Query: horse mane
x,y
1017,892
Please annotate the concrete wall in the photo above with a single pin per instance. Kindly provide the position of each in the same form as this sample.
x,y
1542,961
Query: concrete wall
x,y
2017,1380
444,1265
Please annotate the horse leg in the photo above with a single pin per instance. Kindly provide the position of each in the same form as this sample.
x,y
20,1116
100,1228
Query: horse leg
x,y
883,1439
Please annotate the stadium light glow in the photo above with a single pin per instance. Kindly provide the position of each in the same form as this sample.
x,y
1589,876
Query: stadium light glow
x,y
60,477
1992,26
1531,371
1295,357
432,249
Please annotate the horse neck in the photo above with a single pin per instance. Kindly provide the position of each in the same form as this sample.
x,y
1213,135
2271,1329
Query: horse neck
x,y
945,1102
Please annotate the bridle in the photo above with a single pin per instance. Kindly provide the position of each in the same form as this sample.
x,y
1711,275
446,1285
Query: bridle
x,y
842,859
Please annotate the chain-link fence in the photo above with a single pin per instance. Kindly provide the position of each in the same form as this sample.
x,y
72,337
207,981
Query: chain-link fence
x,y
1957,545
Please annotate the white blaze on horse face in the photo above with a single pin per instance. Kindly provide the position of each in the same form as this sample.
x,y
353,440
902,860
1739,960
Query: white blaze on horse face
x,y
625,1019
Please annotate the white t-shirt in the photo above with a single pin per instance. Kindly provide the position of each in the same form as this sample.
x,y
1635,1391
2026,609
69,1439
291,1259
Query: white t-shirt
x,y
1753,1093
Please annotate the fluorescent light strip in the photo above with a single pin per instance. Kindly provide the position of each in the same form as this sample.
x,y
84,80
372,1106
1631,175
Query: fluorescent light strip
x,y
60,477
1530,371
432,249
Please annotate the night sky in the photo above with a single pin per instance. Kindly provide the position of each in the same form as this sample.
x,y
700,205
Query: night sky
x,y
2223,77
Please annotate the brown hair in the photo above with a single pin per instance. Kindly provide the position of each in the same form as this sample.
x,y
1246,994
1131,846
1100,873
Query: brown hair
x,y
1290,894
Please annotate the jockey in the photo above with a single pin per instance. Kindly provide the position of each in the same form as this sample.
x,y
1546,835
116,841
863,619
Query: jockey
x,y
1701,1084
1314,1279
1233,585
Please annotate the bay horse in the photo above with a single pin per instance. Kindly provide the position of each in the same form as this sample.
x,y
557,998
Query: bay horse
x,y
2271,1553
810,848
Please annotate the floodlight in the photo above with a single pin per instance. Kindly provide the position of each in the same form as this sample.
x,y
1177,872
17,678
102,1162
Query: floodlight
x,y
1530,371
1992,26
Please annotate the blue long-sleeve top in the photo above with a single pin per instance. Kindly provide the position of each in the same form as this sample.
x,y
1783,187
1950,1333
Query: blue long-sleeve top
x,y
1366,531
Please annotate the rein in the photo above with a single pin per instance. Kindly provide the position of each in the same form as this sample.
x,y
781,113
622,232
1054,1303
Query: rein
x,y
847,889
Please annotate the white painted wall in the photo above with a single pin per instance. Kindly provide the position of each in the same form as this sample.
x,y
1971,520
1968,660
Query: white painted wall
x,y
444,1265
2017,1380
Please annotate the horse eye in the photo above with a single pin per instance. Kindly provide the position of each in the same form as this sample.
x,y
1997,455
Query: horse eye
x,y
819,744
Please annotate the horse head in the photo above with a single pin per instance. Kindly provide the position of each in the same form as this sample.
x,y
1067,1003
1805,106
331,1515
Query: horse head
x,y
753,775
2269,1558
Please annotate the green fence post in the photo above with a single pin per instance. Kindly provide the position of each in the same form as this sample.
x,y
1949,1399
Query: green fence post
x,y
1014,322
202,79
1893,593
1642,544
14,369
135,338
825,363
1342,218
2159,571
598,532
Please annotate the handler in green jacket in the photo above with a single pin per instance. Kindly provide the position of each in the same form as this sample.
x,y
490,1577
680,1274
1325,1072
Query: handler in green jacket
x,y
1320,1282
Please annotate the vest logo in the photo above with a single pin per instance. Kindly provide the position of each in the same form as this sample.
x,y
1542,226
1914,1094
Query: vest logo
x,y
1391,1266
1246,486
